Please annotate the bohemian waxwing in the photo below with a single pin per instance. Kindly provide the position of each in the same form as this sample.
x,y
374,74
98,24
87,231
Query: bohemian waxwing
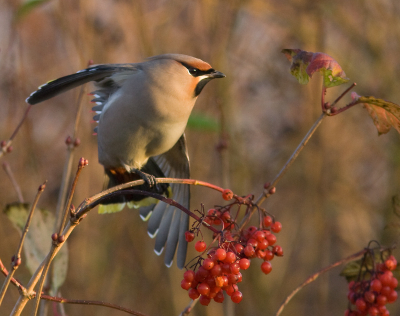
x,y
142,111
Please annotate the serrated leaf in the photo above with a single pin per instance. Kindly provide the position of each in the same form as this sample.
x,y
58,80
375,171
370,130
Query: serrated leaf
x,y
385,114
28,6
37,242
203,122
305,64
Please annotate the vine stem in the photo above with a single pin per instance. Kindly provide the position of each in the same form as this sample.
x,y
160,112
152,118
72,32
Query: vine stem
x,y
316,275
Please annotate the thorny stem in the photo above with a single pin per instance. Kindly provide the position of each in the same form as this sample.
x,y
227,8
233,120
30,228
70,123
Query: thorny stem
x,y
316,275
4,148
17,257
14,182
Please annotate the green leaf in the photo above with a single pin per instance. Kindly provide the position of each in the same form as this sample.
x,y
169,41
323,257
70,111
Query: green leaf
x,y
305,64
38,240
203,122
28,6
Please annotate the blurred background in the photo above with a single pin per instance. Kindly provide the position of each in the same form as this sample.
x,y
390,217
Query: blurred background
x,y
335,199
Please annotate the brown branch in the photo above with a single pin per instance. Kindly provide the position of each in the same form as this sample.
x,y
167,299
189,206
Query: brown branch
x,y
316,275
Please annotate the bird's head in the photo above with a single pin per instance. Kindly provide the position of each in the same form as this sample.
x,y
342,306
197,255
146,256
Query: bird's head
x,y
193,73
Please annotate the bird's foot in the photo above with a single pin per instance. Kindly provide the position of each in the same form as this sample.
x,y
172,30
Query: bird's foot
x,y
149,180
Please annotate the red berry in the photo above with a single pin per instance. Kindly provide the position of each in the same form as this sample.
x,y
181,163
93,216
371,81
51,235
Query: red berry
x,y
216,270
386,290
373,311
369,296
200,246
259,235
189,236
386,277
361,304
236,297
392,297
231,289
266,267
226,216
381,300
269,255
186,284
393,283
189,275
244,263
235,268
249,251
267,221
263,244
219,298
227,195
238,248
208,264
204,300
253,242
271,239
260,254
193,294
276,227
220,254
230,257
278,251
203,288
376,285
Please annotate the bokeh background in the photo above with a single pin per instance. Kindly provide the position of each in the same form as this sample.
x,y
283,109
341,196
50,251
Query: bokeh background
x,y
335,199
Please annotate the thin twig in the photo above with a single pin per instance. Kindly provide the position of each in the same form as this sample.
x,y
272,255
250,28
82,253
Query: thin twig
x,y
292,158
316,275
61,239
14,182
343,94
66,300
69,160
17,257
189,308
87,302
3,149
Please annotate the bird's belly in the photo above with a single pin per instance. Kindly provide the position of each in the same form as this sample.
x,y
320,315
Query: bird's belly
x,y
132,145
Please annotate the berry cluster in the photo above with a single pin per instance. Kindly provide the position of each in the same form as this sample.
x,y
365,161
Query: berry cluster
x,y
220,270
369,297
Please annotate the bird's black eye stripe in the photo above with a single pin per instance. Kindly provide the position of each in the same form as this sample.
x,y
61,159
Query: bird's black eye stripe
x,y
197,72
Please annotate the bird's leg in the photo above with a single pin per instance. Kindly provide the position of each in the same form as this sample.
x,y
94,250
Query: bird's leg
x,y
149,179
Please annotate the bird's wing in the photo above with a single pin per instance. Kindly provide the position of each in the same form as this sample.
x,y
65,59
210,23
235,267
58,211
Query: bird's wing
x,y
95,73
168,222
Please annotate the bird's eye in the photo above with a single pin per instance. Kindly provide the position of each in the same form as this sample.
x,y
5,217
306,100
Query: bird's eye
x,y
193,71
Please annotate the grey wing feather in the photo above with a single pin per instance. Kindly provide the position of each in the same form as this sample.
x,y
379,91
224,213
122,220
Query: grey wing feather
x,y
175,164
94,73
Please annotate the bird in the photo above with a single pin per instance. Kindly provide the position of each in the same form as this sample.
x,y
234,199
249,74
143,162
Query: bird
x,y
142,110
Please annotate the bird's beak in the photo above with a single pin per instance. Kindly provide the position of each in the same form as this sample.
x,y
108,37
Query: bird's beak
x,y
216,74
